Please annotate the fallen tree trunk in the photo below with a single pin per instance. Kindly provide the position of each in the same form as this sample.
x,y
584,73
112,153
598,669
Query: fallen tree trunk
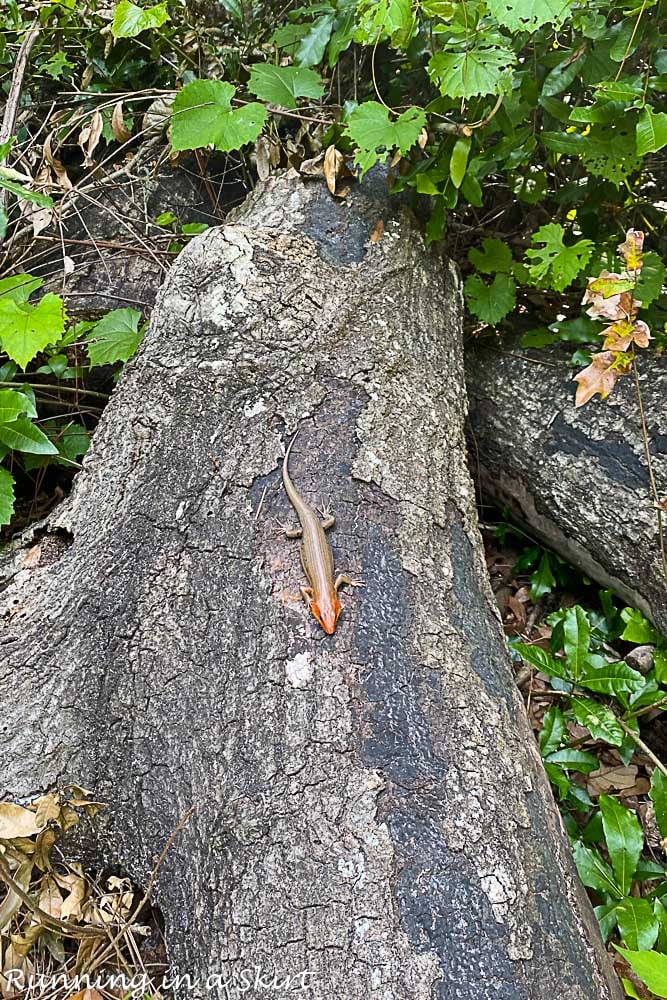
x,y
371,811
577,477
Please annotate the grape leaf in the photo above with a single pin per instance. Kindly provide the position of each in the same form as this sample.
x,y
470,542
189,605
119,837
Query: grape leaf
x,y
19,287
490,303
6,496
651,279
203,115
371,129
22,435
130,20
476,71
26,330
555,264
115,338
284,84
529,15
493,257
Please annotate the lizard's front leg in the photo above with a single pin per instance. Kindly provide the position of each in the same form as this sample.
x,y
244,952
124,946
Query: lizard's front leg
x,y
307,594
343,578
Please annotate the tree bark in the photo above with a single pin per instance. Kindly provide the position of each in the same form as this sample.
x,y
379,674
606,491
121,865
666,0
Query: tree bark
x,y
577,477
372,812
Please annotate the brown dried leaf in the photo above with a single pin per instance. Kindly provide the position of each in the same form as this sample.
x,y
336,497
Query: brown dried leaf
x,y
75,885
15,821
600,376
118,126
89,137
50,898
56,164
611,778
378,231
603,305
313,167
263,157
23,943
48,809
12,903
619,336
45,842
334,164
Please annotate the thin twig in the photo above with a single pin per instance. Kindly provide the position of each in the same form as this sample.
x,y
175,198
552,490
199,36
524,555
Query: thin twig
x,y
13,98
649,463
642,746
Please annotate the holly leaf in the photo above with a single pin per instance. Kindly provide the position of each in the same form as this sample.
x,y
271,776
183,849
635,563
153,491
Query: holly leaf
x,y
593,871
493,257
6,496
284,84
651,131
475,71
658,795
22,435
542,580
130,20
26,330
610,678
529,15
370,128
553,730
555,264
490,303
115,338
202,115
543,661
576,639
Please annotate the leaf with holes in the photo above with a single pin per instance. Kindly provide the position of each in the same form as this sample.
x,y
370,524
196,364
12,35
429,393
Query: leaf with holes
x,y
475,71
556,265
529,15
284,84
202,115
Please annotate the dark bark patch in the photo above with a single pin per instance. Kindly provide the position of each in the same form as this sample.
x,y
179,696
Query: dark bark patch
x,y
613,454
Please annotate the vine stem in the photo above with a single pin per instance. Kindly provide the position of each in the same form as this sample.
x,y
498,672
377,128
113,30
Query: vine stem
x,y
651,473
638,741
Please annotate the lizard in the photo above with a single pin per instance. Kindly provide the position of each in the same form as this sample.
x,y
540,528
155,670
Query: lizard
x,y
321,596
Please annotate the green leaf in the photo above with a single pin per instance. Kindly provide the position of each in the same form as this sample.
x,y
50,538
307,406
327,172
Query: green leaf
x,y
4,222
637,923
660,664
529,15
553,730
194,228
71,440
284,84
625,89
593,871
6,496
650,966
577,636
544,661
459,160
574,760
610,678
23,435
310,49
555,264
651,131
493,257
651,279
475,71
637,628
600,722
624,839
490,303
115,338
19,287
35,197
26,330
370,128
658,795
166,219
56,65
130,20
202,115
12,405
542,580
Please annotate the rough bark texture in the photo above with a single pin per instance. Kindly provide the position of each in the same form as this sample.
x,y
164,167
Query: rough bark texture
x,y
577,477
372,811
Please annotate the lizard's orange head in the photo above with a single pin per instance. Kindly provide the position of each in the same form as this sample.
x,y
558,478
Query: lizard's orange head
x,y
326,611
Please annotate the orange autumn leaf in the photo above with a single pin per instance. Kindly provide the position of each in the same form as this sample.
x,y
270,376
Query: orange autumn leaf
x,y
600,376
619,336
631,250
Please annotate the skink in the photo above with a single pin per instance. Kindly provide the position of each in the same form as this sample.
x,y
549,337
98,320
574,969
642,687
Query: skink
x,y
321,595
